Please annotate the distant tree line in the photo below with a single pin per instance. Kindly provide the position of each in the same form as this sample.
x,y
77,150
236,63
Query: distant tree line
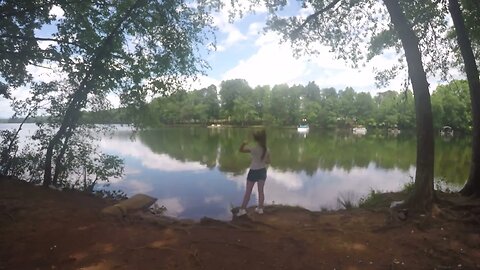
x,y
281,105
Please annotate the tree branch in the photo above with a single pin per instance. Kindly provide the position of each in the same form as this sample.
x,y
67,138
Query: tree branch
x,y
41,39
314,16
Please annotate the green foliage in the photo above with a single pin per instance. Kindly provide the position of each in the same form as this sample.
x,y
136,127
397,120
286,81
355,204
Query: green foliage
x,y
230,91
132,48
471,9
451,106
8,152
372,200
292,152
281,106
408,187
324,108
81,166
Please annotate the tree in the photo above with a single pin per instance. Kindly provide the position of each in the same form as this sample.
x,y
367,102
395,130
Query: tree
x,y
364,106
387,112
243,111
279,104
28,108
346,106
230,90
470,11
210,98
261,100
472,187
331,24
125,47
19,46
450,104
422,197
329,107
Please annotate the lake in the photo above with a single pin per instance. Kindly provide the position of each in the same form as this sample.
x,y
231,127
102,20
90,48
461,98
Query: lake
x,y
196,171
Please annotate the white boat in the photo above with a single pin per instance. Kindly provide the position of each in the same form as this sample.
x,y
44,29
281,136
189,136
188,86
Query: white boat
x,y
303,128
446,131
214,126
360,130
393,131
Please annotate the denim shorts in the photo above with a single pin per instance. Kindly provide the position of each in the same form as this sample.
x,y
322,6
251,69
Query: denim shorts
x,y
257,175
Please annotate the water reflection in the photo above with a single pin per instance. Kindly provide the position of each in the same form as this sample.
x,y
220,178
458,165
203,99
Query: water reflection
x,y
198,172
204,172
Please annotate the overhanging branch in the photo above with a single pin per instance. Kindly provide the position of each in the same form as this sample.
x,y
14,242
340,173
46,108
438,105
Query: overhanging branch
x,y
41,39
314,16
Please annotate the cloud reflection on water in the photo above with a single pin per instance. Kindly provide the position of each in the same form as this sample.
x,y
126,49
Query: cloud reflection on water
x,y
322,189
195,173
149,159
174,206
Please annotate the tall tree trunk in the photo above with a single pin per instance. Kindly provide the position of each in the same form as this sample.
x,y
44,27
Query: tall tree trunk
x,y
79,98
472,187
422,196
69,120
58,160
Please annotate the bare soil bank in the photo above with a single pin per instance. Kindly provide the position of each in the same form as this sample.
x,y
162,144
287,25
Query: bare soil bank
x,y
47,229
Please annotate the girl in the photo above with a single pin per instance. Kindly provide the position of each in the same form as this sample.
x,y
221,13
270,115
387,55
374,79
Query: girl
x,y
258,170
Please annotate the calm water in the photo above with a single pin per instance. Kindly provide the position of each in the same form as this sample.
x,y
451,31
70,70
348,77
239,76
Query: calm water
x,y
198,172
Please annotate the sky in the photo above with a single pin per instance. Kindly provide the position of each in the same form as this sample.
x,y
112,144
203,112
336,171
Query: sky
x,y
244,51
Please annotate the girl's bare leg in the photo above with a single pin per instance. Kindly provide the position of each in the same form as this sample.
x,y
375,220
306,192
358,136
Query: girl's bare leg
x,y
248,192
261,195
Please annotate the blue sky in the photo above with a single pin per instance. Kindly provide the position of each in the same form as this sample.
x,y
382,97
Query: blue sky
x,y
244,51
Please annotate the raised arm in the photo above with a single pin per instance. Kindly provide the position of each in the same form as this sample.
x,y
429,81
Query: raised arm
x,y
244,149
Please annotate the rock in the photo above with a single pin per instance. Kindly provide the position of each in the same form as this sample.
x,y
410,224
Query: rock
x,y
135,203
396,203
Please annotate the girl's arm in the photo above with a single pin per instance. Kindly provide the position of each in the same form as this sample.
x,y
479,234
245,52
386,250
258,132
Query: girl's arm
x,y
244,149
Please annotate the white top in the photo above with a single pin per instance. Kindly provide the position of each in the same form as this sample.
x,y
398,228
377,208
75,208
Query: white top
x,y
257,161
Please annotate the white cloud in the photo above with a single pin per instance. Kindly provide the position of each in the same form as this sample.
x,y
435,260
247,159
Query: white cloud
x,y
323,189
132,171
272,64
149,159
46,73
255,28
213,199
233,35
19,93
287,180
57,12
174,206
220,48
290,180
137,186
328,186
43,44
114,100
5,109
225,19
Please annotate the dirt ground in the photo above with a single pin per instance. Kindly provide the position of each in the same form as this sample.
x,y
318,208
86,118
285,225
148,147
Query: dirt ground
x,y
48,229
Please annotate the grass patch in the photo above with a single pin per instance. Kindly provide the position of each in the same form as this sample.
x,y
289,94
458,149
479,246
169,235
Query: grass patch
x,y
408,187
346,200
372,200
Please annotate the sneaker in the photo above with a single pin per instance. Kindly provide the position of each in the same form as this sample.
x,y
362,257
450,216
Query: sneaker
x,y
259,210
241,212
